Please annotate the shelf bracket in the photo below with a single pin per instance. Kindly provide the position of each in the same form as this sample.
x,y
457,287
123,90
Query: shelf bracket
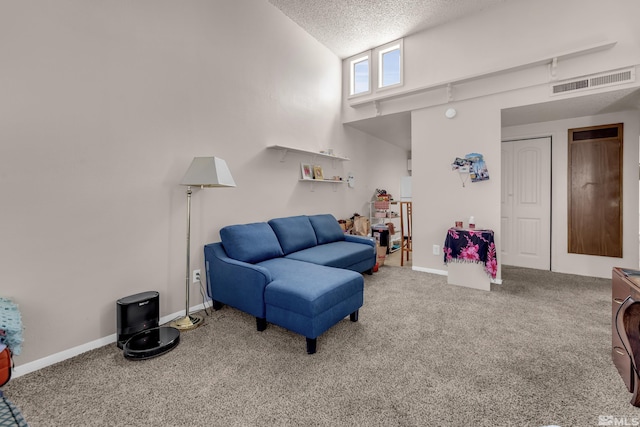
x,y
284,154
553,69
376,105
449,93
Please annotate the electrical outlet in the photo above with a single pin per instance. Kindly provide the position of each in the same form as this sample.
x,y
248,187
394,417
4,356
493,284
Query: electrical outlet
x,y
436,249
196,276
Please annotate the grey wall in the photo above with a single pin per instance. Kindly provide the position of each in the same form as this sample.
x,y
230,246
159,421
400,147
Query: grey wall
x,y
102,107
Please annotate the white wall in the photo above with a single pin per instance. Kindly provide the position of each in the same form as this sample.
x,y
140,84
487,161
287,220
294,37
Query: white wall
x,y
511,34
515,33
588,265
103,106
477,128
439,199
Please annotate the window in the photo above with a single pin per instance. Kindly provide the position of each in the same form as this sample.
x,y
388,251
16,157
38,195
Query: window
x,y
360,75
374,70
390,65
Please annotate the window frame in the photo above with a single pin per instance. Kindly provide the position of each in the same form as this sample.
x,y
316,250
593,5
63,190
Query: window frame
x,y
379,54
353,61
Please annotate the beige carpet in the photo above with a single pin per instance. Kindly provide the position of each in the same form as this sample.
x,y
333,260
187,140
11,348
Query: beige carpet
x,y
533,351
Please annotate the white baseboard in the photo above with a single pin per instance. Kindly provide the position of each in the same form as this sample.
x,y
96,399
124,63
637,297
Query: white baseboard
x,y
27,368
431,270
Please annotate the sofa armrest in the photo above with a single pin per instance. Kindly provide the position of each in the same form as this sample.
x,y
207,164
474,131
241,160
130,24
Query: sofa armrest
x,y
360,239
365,241
235,283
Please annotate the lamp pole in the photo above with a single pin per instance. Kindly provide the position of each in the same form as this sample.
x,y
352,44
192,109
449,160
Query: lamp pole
x,y
188,321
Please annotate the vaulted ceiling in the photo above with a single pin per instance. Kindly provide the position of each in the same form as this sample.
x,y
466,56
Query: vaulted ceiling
x,y
348,27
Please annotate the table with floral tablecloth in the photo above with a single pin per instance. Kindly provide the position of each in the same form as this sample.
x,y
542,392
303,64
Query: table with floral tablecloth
x,y
471,246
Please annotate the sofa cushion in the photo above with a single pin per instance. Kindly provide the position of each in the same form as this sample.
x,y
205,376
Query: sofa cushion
x,y
327,228
335,254
308,289
250,242
294,233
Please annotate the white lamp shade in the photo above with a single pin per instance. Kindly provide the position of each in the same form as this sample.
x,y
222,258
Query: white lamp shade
x,y
208,172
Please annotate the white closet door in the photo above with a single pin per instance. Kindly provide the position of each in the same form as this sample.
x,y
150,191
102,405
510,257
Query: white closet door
x,y
526,203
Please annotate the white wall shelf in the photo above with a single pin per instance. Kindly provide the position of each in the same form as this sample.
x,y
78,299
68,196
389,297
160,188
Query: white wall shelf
x,y
285,150
315,156
335,182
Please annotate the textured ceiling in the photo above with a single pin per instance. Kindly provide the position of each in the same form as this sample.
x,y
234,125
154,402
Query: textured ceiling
x,y
348,27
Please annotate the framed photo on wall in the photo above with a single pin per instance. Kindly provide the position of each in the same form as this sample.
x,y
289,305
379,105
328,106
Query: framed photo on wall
x,y
317,172
307,172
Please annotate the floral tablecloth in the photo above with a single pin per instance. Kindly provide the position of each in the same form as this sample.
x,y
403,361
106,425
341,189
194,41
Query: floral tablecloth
x,y
475,246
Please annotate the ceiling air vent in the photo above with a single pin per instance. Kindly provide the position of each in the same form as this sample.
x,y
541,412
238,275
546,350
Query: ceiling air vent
x,y
609,78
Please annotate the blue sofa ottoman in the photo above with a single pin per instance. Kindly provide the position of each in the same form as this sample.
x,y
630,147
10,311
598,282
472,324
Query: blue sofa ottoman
x,y
301,273
325,296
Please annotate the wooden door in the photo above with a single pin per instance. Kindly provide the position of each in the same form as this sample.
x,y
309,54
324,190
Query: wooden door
x,y
526,203
595,191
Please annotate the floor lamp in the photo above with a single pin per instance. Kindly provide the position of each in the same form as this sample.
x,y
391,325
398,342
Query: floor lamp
x,y
203,172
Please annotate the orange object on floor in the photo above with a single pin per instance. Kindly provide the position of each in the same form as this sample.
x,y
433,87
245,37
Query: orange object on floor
x,y
5,366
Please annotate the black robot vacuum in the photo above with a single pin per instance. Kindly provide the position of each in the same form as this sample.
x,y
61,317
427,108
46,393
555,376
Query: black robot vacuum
x,y
151,343
138,333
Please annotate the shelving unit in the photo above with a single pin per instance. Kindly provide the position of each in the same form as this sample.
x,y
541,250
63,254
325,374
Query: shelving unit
x,y
379,207
314,157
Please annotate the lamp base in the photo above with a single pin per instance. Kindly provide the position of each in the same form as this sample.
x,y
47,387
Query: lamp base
x,y
187,322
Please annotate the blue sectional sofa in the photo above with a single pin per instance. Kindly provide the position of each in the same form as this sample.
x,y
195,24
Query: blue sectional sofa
x,y
301,273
